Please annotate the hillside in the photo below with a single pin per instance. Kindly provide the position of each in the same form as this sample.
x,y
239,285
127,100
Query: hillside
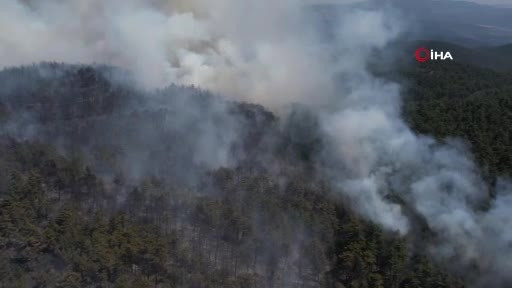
x,y
73,215
464,99
81,190
255,144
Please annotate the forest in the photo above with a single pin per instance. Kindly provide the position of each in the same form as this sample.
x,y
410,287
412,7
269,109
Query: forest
x,y
100,187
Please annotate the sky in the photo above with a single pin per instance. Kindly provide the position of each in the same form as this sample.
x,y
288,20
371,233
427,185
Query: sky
x,y
494,2
488,2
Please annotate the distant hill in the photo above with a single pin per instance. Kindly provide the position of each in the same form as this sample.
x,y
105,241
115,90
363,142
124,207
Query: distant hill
x,y
462,22
502,51
466,23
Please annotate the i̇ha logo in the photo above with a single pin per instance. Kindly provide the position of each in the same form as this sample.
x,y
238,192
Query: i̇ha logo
x,y
423,55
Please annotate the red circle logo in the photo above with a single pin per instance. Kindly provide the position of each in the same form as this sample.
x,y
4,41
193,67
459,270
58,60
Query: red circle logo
x,y
420,58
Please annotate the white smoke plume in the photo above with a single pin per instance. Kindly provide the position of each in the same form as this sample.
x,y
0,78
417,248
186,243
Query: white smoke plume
x,y
269,52
222,45
381,157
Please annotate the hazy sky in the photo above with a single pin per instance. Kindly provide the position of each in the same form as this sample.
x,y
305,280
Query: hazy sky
x,y
494,2
490,2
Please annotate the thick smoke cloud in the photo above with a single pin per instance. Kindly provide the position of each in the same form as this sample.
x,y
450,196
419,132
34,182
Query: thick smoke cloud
x,y
377,157
271,53
223,45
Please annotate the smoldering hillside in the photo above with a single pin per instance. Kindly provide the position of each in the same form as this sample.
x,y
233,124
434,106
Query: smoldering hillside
x,y
231,190
217,182
110,181
175,131
264,214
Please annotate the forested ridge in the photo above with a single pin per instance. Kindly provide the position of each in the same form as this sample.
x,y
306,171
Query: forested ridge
x,y
73,214
62,226
453,99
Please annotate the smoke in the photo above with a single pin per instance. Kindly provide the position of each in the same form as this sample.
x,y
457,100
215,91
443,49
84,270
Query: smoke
x,y
374,157
222,45
377,158
272,53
